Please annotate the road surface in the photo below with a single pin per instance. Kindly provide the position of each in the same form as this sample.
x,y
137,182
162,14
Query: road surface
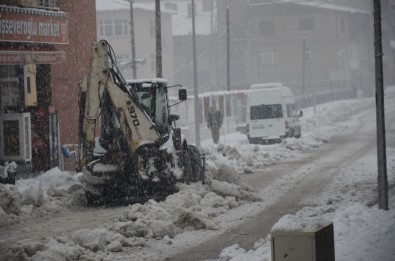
x,y
320,167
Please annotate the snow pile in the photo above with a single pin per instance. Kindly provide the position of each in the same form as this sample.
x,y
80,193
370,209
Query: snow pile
x,y
52,179
299,223
243,158
319,127
85,244
52,192
191,208
258,252
10,204
27,246
54,249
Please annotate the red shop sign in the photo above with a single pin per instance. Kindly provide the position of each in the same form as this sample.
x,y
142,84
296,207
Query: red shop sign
x,y
33,25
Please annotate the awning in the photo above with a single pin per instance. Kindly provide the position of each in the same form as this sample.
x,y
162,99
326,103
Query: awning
x,y
17,57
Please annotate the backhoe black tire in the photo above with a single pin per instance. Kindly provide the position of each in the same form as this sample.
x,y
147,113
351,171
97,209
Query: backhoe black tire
x,y
93,199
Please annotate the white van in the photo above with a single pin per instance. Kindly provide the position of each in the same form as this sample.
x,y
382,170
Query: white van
x,y
271,113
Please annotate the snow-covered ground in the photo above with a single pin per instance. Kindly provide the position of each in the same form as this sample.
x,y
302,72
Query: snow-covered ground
x,y
198,212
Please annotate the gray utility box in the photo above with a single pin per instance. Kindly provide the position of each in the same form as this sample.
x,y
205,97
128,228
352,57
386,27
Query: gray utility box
x,y
302,245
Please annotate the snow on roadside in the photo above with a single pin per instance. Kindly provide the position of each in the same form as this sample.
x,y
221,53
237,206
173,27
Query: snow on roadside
x,y
194,207
361,230
52,192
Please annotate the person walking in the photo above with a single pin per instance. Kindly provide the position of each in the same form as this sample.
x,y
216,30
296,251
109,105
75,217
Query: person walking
x,y
214,123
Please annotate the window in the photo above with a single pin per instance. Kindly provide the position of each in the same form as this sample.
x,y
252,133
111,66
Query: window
x,y
9,91
11,138
268,57
171,6
121,27
108,30
101,28
47,3
116,27
161,107
306,24
266,27
261,112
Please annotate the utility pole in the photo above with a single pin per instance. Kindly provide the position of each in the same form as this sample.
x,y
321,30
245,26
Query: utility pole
x,y
158,40
303,66
195,79
132,41
380,113
227,49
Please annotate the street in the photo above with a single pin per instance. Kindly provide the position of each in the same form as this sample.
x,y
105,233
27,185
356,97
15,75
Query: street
x,y
312,175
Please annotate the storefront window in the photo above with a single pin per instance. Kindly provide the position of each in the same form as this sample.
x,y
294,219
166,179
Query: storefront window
x,y
9,86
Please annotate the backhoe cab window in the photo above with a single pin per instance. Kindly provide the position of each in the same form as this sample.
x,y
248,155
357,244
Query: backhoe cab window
x,y
146,99
153,100
262,112
161,107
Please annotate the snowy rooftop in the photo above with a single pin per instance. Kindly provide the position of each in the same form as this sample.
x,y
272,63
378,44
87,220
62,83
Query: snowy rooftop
x,y
336,7
359,7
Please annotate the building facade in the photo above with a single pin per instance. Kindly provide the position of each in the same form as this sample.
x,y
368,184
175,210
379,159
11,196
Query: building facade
x,y
207,47
308,46
44,52
113,24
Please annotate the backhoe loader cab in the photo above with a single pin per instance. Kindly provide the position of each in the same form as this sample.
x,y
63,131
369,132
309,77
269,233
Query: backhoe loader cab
x,y
142,155
152,96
